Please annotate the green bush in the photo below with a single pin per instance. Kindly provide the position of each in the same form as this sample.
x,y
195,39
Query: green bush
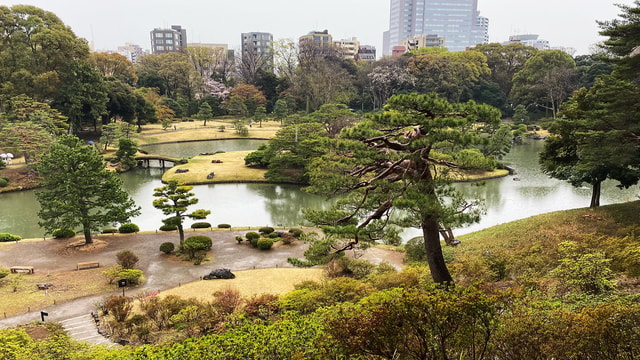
x,y
264,243
414,250
586,272
224,226
63,233
4,273
194,244
3,182
252,237
109,231
167,247
273,235
168,227
266,230
6,237
239,239
128,228
200,225
296,232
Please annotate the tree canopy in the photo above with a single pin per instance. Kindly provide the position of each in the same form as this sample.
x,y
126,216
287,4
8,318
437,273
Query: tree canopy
x,y
174,199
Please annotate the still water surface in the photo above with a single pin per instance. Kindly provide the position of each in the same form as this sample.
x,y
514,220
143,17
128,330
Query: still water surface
x,y
506,199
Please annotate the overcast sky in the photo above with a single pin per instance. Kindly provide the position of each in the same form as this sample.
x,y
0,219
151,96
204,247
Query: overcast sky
x,y
109,24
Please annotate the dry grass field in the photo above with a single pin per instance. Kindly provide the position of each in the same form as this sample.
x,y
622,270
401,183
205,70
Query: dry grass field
x,y
195,130
249,282
232,169
68,285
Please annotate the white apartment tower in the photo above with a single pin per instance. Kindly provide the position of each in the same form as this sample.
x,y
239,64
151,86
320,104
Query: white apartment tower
x,y
457,21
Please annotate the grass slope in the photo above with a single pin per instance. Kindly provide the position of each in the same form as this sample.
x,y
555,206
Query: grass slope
x,y
528,248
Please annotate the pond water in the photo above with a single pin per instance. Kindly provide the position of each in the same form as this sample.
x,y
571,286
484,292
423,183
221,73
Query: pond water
x,y
256,205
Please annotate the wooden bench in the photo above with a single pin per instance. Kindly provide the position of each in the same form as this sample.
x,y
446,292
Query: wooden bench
x,y
87,265
16,269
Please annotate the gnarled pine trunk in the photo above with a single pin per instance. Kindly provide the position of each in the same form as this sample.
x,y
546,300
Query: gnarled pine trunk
x,y
435,259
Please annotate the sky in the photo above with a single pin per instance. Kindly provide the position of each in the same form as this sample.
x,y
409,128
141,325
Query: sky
x,y
109,24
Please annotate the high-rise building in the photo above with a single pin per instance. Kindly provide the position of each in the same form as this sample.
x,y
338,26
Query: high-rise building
x,y
168,40
257,47
131,51
457,21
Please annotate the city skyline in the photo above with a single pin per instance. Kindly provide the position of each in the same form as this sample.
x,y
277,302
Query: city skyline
x,y
107,25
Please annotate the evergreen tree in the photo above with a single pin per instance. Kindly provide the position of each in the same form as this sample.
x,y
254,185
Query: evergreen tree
x,y
78,191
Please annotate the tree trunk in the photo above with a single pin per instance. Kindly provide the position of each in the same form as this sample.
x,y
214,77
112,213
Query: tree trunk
x,y
87,235
435,259
595,194
181,232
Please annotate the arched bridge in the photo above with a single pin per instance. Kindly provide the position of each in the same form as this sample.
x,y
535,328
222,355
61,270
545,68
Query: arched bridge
x,y
146,160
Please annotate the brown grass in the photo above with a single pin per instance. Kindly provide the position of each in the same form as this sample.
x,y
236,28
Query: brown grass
x,y
232,169
250,282
195,130
67,285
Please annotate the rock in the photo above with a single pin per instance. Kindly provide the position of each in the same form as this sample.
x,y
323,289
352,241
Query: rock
x,y
219,274
210,176
180,171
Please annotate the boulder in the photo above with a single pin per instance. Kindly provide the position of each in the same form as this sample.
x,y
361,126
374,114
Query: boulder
x,y
219,274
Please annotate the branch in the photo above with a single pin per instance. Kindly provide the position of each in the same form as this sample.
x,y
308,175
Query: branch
x,y
380,211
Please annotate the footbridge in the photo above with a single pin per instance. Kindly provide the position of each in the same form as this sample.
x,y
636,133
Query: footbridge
x,y
162,161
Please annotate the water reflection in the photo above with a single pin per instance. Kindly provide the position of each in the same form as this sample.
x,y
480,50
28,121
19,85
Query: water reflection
x,y
266,204
190,149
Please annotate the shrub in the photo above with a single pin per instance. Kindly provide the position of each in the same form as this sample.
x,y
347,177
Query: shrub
x,y
415,251
127,259
128,228
224,226
359,269
63,233
109,231
265,243
168,227
4,273
273,235
194,244
586,272
167,247
296,232
287,238
252,235
200,225
239,239
133,276
6,237
3,182
266,230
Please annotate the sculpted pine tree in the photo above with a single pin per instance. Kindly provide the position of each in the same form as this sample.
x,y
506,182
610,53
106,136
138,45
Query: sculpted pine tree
x,y
174,199
396,169
78,191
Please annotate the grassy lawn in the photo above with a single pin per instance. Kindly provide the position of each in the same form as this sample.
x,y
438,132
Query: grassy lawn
x,y
232,169
195,130
68,285
276,281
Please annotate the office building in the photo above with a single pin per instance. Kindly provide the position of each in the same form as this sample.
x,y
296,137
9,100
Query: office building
x,y
367,53
348,48
168,40
257,46
458,22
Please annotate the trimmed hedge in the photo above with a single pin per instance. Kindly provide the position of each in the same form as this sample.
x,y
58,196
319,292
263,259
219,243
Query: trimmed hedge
x,y
166,227
200,225
109,231
3,182
167,247
63,233
265,243
266,230
6,237
224,226
128,228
